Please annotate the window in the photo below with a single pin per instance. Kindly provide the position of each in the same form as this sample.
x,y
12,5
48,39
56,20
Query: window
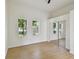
x,y
22,26
35,27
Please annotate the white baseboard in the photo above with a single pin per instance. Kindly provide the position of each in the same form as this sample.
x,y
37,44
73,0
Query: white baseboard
x,y
18,45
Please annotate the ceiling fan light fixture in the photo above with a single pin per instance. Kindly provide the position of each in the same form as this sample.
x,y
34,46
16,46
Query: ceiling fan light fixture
x,y
49,1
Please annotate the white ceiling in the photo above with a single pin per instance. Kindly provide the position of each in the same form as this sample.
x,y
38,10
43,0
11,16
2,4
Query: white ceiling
x,y
43,5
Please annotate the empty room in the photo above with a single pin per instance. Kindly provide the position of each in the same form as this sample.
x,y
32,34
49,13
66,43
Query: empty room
x,y
39,29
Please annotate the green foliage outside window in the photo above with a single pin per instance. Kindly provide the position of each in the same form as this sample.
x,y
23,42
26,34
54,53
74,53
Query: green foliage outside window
x,y
22,26
35,26
34,23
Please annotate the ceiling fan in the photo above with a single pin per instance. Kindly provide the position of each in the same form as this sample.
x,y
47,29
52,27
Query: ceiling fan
x,y
49,1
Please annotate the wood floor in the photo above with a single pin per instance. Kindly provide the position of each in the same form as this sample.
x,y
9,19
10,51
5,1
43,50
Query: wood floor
x,y
45,50
61,42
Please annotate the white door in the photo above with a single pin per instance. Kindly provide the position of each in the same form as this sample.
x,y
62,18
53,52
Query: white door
x,y
61,28
53,30
61,33
57,32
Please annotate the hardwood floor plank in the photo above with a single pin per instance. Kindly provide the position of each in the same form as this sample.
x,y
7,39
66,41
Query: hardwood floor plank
x,y
46,50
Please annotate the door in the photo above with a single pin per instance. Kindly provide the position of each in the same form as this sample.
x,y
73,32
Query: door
x,y
55,30
61,33
57,33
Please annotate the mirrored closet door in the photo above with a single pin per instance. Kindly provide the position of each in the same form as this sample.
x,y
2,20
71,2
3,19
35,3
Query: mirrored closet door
x,y
57,31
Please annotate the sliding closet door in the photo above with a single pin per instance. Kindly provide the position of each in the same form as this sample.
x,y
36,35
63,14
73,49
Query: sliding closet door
x,y
58,33
55,30
61,33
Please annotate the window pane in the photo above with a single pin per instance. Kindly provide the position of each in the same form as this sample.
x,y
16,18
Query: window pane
x,y
35,27
22,26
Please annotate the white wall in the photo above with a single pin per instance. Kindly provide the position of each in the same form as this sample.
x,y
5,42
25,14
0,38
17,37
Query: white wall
x,y
67,32
29,13
6,27
72,31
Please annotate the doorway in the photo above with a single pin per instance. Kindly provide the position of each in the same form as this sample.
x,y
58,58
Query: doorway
x,y
61,34
57,31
